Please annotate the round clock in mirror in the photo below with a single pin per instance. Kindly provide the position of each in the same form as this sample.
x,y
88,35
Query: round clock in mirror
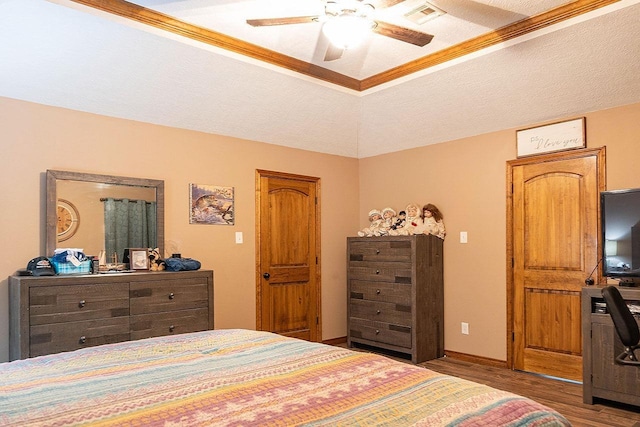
x,y
68,220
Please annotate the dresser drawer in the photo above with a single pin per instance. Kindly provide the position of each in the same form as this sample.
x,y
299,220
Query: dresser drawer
x,y
381,291
385,272
174,322
376,250
58,337
73,303
381,311
380,332
169,295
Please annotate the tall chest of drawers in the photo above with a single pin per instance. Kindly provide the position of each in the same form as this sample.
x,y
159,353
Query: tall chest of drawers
x,y
396,296
63,313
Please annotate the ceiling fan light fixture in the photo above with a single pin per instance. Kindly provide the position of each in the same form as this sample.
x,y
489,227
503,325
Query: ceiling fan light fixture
x,y
350,27
346,31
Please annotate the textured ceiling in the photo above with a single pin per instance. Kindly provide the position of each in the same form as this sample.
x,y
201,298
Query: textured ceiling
x,y
61,54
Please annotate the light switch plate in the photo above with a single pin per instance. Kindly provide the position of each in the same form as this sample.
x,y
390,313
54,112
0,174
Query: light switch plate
x,y
463,237
464,328
238,236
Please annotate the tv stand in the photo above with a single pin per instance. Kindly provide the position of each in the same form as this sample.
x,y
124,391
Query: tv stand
x,y
601,376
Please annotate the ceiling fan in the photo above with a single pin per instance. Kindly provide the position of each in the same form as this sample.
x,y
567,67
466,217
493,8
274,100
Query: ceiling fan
x,y
347,22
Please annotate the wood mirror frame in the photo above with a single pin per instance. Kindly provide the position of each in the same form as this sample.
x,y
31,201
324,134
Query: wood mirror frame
x,y
53,176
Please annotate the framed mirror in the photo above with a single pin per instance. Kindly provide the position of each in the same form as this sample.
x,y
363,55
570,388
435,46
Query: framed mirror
x,y
87,211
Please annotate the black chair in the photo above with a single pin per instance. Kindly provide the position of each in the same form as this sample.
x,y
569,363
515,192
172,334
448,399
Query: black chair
x,y
625,324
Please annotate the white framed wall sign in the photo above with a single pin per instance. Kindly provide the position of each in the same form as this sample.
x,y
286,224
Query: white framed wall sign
x,y
561,136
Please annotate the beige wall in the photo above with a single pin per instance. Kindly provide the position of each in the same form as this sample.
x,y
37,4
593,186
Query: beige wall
x,y
466,179
34,138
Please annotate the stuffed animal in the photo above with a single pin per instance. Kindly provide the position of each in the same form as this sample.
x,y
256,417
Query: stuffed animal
x,y
376,226
155,262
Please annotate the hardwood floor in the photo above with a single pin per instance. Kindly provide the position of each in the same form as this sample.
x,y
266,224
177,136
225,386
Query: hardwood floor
x,y
564,397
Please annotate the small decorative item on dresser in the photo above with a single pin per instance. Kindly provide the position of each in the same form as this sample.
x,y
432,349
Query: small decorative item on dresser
x,y
156,263
138,259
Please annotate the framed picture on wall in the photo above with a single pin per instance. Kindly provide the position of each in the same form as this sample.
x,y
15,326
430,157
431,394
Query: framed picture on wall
x,y
211,204
561,136
138,259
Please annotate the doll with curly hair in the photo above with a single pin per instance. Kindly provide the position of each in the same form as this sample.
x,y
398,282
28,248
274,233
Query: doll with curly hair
x,y
432,221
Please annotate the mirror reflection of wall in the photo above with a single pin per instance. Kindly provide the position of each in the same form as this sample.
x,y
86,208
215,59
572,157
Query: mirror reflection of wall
x,y
85,196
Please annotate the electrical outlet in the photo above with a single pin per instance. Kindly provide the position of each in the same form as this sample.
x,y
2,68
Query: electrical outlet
x,y
465,328
238,236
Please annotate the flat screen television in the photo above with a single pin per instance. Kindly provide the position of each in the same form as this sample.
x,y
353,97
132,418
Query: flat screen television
x,y
620,216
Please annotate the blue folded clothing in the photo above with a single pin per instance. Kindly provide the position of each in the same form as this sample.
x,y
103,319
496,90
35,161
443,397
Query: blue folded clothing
x,y
74,256
181,264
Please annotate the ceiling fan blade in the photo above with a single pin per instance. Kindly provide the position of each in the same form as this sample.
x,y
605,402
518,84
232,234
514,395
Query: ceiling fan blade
x,y
403,34
381,4
282,21
333,53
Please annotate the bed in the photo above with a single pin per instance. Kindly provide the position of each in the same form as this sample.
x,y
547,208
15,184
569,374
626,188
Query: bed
x,y
247,378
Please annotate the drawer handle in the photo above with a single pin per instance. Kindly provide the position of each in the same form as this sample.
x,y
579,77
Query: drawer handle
x,y
83,339
377,251
377,311
82,303
171,295
171,328
377,331
377,291
377,271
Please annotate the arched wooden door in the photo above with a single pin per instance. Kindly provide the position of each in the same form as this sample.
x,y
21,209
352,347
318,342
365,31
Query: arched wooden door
x,y
553,218
288,255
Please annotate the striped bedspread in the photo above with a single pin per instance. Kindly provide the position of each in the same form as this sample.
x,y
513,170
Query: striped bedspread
x,y
247,378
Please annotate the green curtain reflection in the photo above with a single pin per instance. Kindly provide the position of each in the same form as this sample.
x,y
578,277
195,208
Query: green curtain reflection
x,y
129,224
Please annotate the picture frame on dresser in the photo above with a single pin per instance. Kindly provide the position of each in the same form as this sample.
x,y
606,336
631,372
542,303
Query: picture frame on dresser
x,y
138,259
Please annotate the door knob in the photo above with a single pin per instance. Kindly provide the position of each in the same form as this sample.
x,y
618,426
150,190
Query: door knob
x,y
266,276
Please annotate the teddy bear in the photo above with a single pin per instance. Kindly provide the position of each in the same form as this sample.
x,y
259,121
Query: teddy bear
x,y
155,262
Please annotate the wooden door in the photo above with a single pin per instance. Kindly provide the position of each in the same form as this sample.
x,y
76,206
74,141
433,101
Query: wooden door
x,y
288,246
554,221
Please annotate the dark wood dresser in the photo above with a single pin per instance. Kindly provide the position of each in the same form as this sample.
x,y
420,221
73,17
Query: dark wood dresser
x,y
602,377
396,296
52,314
